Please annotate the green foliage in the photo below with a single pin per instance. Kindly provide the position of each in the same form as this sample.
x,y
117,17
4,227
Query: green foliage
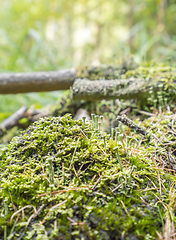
x,y
52,35
59,179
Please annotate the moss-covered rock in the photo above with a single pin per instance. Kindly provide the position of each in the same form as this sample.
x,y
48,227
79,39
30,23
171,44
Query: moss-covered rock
x,y
67,179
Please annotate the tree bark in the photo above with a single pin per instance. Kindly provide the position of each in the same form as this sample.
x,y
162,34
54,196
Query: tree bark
x,y
36,81
57,80
84,89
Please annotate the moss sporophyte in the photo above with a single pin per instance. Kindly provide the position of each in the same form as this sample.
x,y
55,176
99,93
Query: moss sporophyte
x,y
67,179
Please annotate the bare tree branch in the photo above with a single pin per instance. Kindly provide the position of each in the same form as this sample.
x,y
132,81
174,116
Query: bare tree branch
x,y
36,81
57,80
12,120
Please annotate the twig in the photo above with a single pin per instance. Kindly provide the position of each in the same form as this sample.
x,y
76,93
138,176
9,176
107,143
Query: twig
x,y
27,206
63,191
54,207
128,122
144,113
35,214
99,179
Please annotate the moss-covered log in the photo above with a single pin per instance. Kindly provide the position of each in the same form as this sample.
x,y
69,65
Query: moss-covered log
x,y
84,89
112,89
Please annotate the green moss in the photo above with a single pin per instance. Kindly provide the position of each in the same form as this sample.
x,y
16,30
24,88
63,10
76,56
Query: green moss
x,y
60,181
162,98
166,93
105,71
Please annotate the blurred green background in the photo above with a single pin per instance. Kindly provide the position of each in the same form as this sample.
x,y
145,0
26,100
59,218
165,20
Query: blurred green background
x,y
49,35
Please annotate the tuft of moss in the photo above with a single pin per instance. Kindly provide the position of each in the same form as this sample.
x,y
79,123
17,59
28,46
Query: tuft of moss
x,y
67,179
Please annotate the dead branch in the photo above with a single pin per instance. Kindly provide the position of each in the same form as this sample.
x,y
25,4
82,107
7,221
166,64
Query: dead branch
x,y
36,81
12,120
57,80
112,89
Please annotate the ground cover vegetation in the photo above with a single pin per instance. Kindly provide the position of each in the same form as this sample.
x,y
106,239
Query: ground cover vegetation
x,y
114,176
109,178
69,179
56,35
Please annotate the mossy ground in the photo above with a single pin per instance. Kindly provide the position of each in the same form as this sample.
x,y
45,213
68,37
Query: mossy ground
x,y
67,179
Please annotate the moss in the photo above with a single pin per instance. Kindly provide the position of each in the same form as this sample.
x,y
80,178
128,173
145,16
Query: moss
x,y
59,180
154,72
105,71
162,98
